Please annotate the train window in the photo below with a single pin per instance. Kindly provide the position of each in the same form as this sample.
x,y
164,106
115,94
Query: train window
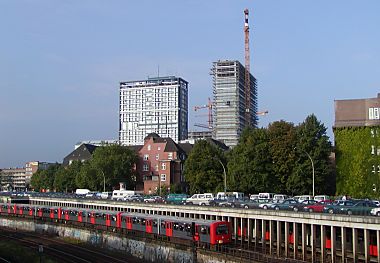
x,y
114,218
222,230
203,230
163,225
154,223
176,226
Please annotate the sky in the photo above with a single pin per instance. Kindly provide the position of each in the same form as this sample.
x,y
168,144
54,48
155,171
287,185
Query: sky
x,y
61,62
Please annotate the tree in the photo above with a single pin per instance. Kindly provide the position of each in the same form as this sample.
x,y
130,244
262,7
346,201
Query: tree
x,y
115,164
312,139
202,170
282,138
65,177
250,164
44,179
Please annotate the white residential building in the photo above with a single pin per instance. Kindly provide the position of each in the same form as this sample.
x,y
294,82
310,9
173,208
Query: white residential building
x,y
157,105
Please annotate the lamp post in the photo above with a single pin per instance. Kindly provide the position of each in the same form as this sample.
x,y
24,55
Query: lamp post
x,y
225,176
312,166
104,182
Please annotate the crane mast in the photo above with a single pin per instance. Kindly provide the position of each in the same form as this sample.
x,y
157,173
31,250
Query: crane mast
x,y
247,71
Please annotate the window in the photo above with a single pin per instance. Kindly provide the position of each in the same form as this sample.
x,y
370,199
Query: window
x,y
163,166
145,167
158,148
149,147
156,167
170,156
157,156
146,157
163,177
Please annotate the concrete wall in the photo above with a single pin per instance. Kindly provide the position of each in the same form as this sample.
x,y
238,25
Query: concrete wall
x,y
150,252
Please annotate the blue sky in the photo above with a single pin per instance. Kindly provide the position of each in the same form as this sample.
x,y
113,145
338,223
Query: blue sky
x,y
61,61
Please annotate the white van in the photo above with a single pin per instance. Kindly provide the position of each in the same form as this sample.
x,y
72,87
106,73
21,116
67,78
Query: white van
x,y
82,192
321,198
200,199
120,194
105,195
279,197
301,198
266,195
224,195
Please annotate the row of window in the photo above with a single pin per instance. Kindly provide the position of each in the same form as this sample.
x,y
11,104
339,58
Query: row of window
x,y
146,156
146,167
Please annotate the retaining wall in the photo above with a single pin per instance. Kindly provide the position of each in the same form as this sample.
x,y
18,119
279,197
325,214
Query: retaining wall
x,y
147,251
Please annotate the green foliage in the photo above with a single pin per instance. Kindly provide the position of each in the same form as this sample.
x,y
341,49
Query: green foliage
x,y
112,164
44,179
312,140
265,160
65,177
282,139
250,165
202,169
356,160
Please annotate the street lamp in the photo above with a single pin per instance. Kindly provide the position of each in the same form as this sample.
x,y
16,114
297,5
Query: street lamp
x,y
312,165
225,176
104,181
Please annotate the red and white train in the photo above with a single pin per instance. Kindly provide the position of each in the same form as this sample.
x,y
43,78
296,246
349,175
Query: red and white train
x,y
201,231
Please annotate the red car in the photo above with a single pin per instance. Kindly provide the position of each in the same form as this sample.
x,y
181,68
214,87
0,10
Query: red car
x,y
318,207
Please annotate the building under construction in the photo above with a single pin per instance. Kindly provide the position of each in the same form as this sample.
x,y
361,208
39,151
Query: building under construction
x,y
230,111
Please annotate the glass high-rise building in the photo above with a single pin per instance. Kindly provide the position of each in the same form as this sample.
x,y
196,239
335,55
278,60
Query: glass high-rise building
x,y
157,105
229,101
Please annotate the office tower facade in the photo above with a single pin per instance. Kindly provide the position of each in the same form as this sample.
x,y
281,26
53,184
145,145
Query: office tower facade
x,y
157,105
229,101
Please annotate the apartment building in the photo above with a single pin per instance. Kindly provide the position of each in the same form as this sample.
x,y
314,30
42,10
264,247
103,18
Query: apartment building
x,y
156,105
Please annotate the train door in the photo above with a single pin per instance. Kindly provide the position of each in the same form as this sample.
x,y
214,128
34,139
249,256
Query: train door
x,y
20,210
80,216
148,224
169,228
31,211
119,220
204,233
52,213
59,213
92,218
129,223
108,220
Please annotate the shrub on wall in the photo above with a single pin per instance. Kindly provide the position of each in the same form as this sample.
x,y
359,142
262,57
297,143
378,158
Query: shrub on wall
x,y
358,161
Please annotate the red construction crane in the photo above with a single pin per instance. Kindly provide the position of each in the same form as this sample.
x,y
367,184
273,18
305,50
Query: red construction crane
x,y
209,106
247,71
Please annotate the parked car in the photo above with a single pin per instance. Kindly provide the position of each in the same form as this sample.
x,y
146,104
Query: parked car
x,y
253,204
360,208
199,199
231,202
287,204
375,211
300,206
335,207
133,198
154,199
265,203
176,199
317,207
106,195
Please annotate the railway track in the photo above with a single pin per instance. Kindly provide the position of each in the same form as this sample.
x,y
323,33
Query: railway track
x,y
63,251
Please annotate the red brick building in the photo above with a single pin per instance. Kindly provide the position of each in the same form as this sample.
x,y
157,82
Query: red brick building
x,y
160,163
